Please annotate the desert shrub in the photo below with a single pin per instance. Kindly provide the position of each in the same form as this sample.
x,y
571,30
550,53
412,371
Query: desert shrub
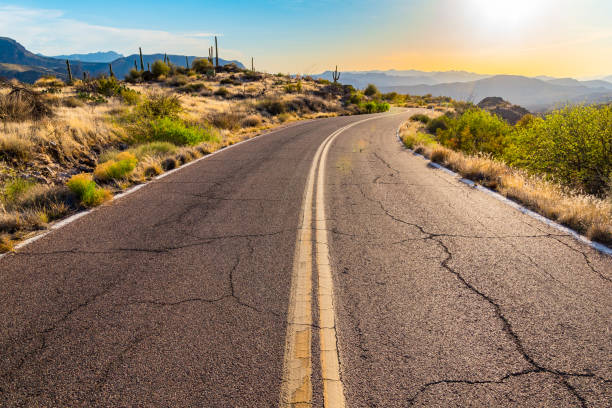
x,y
192,87
15,188
573,145
87,191
227,120
166,129
475,131
290,88
159,106
120,168
201,65
371,90
251,121
49,82
230,81
419,117
272,106
129,96
412,140
178,80
153,149
252,76
437,124
160,68
375,107
134,76
222,92
391,96
22,104
107,86
356,98
323,81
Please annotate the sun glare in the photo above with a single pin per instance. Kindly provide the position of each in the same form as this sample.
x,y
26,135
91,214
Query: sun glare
x,y
505,15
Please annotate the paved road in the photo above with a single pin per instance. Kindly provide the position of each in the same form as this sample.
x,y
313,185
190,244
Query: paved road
x,y
209,288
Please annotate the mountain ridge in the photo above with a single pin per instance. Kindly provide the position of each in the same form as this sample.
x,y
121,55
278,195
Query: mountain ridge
x,y
15,60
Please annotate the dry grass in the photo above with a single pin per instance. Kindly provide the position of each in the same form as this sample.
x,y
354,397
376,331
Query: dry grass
x,y
584,213
47,139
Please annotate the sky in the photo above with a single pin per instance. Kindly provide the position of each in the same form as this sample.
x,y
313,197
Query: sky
x,y
562,38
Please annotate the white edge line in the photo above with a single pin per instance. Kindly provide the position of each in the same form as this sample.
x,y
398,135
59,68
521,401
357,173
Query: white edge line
x,y
61,223
576,235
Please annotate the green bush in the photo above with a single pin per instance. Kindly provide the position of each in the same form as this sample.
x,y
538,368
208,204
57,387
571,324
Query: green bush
x,y
573,145
433,125
419,117
87,191
15,188
201,65
160,68
375,107
272,106
130,96
371,90
171,130
475,131
159,106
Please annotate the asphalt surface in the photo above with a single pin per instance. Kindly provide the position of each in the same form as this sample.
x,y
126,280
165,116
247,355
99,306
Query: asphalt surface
x,y
177,295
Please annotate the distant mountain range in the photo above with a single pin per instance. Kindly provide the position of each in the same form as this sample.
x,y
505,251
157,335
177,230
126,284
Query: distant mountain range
x,y
536,94
17,62
106,57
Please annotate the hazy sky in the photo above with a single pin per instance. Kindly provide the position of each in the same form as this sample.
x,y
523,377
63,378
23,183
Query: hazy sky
x,y
526,37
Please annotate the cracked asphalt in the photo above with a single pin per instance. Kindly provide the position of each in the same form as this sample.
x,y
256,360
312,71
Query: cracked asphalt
x,y
177,294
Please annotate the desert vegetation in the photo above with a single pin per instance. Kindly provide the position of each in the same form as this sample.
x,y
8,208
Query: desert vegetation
x,y
70,145
559,165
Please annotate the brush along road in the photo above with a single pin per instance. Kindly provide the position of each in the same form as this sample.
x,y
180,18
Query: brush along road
x,y
320,265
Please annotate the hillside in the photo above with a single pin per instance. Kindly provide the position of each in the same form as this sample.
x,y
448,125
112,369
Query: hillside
x,y
534,94
504,109
11,52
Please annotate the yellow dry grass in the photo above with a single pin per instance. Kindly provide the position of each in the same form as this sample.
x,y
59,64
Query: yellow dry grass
x,y
587,214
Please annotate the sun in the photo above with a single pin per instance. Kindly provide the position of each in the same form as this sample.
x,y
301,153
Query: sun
x,y
505,15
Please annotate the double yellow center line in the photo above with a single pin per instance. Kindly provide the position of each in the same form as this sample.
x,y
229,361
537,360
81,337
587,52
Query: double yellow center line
x,y
296,390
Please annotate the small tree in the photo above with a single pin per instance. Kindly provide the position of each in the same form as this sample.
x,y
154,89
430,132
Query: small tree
x,y
371,90
159,68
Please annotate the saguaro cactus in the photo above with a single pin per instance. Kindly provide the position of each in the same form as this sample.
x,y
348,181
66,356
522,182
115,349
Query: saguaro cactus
x,y
216,53
110,70
165,58
186,62
148,67
69,71
84,75
252,65
141,63
336,75
135,65
210,54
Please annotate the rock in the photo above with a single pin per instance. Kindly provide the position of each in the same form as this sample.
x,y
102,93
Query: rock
x,y
504,109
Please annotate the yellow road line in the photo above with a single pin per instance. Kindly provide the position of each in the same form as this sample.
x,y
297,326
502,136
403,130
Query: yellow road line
x,y
296,389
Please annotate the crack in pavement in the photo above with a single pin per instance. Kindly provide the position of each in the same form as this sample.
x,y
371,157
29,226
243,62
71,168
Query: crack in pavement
x,y
507,327
201,241
586,259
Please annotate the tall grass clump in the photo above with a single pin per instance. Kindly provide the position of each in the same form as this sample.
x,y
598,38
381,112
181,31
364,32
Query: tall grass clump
x,y
87,191
179,133
119,168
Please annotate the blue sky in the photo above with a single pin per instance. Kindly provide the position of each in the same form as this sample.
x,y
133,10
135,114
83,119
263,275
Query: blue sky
x,y
563,37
